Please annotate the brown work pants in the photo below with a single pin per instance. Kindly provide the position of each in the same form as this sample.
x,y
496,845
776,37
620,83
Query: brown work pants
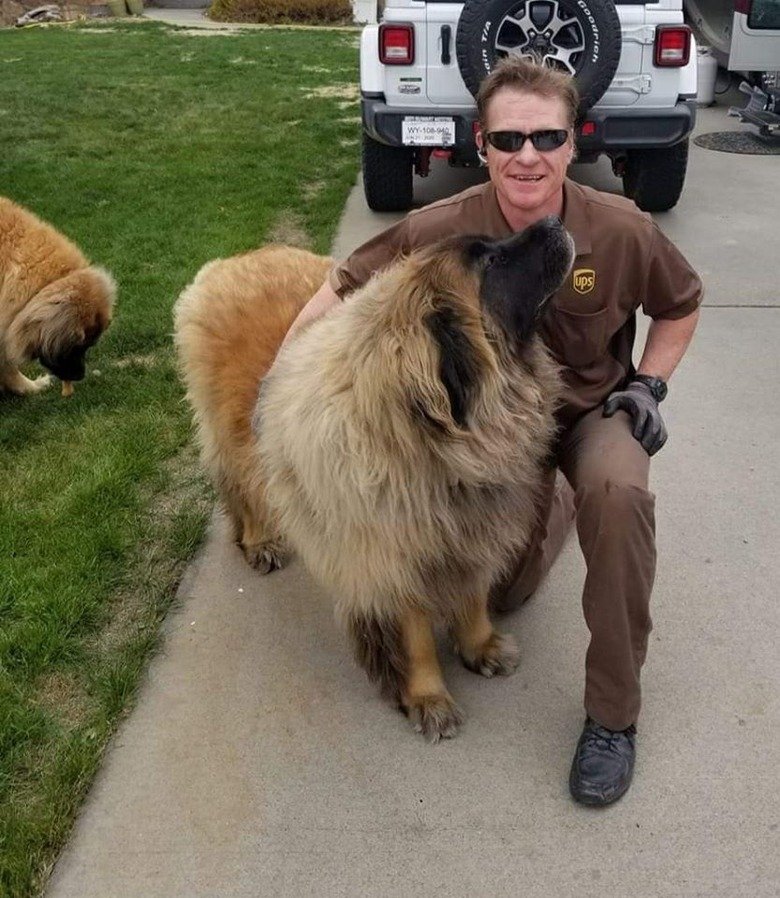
x,y
615,514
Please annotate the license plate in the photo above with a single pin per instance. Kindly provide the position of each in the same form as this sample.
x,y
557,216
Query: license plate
x,y
427,131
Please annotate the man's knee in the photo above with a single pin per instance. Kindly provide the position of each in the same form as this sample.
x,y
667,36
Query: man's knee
x,y
601,454
616,494
620,505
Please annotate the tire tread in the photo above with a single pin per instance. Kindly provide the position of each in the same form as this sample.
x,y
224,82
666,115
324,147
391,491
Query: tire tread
x,y
387,176
654,179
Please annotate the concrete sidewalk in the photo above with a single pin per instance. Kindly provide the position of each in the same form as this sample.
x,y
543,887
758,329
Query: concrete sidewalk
x,y
259,762
192,18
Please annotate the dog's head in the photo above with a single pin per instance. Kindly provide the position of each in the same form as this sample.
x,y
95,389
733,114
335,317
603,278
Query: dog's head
x,y
519,274
480,301
62,321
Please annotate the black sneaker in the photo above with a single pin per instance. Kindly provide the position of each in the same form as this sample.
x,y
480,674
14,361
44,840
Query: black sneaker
x,y
603,764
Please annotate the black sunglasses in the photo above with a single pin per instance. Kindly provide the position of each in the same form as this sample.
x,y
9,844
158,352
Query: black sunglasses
x,y
512,141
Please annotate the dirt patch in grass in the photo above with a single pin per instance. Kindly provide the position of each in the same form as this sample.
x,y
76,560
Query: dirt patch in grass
x,y
311,189
142,599
187,487
289,229
330,91
64,696
137,361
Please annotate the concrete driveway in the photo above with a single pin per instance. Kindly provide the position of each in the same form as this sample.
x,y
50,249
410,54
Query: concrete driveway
x,y
259,762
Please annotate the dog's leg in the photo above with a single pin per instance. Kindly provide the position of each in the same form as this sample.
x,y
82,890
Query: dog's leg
x,y
13,381
263,548
264,552
425,698
401,656
481,648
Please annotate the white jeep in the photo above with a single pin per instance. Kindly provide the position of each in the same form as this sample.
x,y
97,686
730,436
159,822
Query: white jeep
x,y
634,63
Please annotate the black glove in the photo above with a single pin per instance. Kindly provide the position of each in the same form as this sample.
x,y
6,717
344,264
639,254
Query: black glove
x,y
639,402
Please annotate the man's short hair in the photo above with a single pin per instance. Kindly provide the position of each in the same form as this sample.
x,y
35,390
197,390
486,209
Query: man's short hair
x,y
528,74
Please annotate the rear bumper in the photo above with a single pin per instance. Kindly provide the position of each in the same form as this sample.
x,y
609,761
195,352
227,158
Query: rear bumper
x,y
383,123
614,131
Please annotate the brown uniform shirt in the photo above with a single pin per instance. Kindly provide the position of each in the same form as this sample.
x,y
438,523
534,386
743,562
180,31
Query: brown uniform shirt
x,y
623,263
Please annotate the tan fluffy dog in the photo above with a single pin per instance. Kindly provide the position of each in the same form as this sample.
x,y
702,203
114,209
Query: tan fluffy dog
x,y
53,304
398,443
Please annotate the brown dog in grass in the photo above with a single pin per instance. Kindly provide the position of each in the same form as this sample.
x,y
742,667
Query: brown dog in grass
x,y
398,443
54,305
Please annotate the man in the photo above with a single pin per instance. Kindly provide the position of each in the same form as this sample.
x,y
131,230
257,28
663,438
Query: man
x,y
610,422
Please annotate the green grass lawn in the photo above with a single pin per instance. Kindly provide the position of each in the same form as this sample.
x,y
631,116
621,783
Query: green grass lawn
x,y
155,150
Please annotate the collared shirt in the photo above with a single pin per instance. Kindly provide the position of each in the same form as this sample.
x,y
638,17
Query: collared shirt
x,y
623,263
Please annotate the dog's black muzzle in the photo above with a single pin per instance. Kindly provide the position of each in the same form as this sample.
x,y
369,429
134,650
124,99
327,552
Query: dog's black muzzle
x,y
71,368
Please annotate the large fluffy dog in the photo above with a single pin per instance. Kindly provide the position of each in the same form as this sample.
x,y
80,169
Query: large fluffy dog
x,y
398,443
53,304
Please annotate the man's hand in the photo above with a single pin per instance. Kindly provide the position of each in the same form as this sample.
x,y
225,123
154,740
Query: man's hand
x,y
639,402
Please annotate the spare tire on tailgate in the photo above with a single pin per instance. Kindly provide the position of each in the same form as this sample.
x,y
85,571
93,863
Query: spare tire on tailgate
x,y
578,36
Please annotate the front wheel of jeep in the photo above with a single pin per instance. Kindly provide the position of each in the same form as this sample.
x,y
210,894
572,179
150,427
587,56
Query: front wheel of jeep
x,y
654,179
387,176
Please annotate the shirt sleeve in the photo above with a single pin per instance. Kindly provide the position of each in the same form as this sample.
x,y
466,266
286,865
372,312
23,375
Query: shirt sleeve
x,y
672,289
354,271
472,211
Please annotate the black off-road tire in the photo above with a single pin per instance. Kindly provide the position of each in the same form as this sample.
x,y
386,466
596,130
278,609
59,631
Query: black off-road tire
x,y
654,179
387,176
491,29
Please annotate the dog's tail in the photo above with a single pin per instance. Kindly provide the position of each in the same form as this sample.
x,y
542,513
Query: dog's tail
x,y
230,321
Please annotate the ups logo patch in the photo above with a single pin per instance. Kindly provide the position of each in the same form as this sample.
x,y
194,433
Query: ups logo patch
x,y
583,280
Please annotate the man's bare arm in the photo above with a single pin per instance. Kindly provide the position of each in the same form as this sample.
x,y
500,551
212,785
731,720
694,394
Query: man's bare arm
x,y
325,298
667,340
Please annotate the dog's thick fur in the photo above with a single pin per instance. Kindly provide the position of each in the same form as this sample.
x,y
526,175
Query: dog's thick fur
x,y
54,305
398,444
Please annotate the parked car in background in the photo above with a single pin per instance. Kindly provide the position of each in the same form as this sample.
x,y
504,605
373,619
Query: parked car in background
x,y
744,35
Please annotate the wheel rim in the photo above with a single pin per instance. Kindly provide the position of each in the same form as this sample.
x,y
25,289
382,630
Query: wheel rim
x,y
541,27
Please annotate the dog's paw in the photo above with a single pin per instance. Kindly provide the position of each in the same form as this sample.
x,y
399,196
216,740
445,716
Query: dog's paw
x,y
265,557
20,385
42,383
499,655
434,716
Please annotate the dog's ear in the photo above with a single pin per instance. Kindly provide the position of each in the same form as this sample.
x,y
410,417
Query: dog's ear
x,y
458,369
56,319
47,326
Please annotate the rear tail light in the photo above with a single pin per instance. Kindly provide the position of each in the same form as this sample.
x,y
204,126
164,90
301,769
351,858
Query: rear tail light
x,y
396,44
672,45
